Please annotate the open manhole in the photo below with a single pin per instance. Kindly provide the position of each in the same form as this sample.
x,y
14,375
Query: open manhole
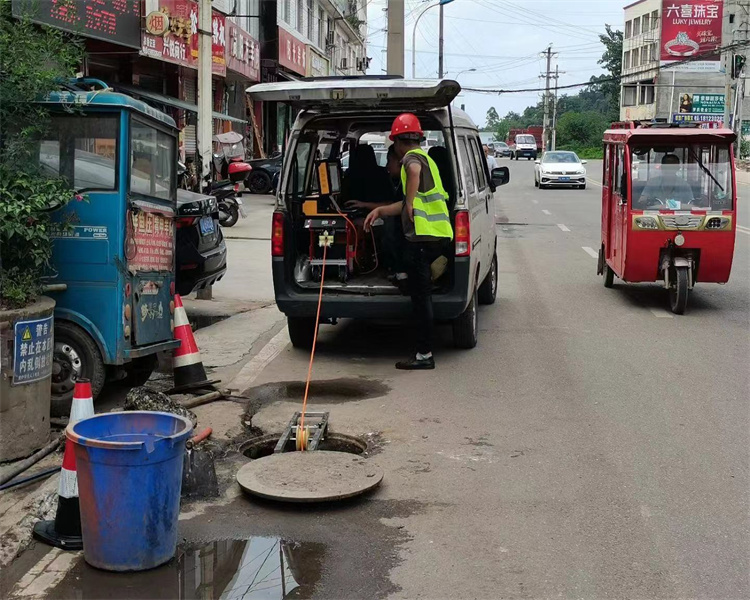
x,y
333,442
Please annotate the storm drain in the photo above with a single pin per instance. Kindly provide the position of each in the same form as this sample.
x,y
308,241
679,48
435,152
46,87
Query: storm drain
x,y
333,442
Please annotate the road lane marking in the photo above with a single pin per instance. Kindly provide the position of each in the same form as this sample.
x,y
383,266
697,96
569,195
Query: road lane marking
x,y
47,573
562,227
661,313
260,361
594,181
535,201
546,212
590,251
743,229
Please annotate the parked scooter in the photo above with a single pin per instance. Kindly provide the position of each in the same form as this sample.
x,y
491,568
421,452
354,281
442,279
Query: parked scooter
x,y
226,193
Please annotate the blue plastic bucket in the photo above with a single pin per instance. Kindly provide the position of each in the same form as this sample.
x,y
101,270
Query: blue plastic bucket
x,y
129,481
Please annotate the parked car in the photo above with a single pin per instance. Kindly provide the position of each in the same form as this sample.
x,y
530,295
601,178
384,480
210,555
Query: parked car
x,y
201,255
260,179
560,168
322,126
501,149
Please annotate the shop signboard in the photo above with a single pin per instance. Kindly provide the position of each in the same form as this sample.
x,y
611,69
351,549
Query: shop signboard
x,y
292,52
171,34
693,118
116,21
701,104
317,64
243,52
691,35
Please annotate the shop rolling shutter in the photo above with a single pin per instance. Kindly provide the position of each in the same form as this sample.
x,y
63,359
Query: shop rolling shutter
x,y
190,133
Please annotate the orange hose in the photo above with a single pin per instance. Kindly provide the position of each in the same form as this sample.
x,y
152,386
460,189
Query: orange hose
x,y
312,352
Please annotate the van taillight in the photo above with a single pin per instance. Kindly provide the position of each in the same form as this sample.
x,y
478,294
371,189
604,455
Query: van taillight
x,y
463,234
277,235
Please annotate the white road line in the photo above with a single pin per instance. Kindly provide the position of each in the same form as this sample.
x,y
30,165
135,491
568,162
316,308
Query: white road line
x,y
562,227
742,229
590,251
546,212
535,201
47,573
260,361
661,313
594,181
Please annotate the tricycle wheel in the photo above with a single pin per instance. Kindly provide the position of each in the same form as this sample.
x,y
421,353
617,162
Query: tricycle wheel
x,y
609,276
678,291
76,356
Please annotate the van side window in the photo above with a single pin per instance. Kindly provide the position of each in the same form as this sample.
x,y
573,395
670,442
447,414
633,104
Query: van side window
x,y
468,170
618,169
479,162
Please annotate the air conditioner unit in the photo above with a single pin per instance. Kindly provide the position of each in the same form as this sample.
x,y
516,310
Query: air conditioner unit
x,y
344,64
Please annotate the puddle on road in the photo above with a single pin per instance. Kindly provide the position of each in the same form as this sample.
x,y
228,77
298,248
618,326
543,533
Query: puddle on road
x,y
259,568
331,391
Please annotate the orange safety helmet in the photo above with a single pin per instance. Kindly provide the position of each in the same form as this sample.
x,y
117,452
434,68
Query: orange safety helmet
x,y
405,123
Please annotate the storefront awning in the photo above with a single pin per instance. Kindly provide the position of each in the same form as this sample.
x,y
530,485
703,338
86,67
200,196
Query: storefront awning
x,y
153,97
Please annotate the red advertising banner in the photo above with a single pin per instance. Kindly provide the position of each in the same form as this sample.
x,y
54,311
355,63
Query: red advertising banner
x,y
691,32
171,35
292,52
243,52
153,243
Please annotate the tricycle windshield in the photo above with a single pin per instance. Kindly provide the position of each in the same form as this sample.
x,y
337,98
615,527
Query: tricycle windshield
x,y
153,161
683,177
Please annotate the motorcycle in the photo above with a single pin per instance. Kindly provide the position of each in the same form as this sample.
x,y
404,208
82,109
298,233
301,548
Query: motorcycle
x,y
230,203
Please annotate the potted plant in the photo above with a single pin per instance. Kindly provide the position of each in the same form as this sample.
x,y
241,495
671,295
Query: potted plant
x,y
33,60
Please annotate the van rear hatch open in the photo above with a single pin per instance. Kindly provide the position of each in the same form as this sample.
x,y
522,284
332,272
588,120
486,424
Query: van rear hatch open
x,y
333,94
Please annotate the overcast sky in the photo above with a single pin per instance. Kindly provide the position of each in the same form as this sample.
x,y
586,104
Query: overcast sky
x,y
503,40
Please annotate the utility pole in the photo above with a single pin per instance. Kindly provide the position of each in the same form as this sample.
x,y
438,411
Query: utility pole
x,y
205,102
440,44
548,75
395,59
554,110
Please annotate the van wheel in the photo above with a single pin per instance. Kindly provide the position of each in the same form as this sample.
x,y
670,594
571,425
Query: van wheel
x,y
488,289
301,331
466,326
75,356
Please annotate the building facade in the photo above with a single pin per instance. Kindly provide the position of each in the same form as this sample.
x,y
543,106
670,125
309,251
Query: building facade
x,y
660,80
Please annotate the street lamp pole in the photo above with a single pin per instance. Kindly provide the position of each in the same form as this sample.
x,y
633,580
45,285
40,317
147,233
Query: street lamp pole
x,y
441,3
464,71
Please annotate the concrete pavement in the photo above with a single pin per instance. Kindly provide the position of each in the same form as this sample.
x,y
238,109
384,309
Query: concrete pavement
x,y
591,446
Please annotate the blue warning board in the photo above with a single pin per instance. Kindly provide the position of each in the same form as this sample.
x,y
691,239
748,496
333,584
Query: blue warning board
x,y
33,351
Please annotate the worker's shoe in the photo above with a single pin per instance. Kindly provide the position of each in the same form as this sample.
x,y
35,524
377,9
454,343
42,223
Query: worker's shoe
x,y
416,363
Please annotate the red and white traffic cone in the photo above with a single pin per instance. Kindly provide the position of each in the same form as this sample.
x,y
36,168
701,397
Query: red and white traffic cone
x,y
65,531
187,365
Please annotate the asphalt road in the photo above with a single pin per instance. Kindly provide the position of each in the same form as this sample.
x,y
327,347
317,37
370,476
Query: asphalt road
x,y
592,445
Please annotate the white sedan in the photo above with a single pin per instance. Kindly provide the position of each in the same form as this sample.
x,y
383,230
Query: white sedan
x,y
560,168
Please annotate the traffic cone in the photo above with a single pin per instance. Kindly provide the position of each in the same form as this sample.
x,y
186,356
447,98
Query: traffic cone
x,y
187,365
65,531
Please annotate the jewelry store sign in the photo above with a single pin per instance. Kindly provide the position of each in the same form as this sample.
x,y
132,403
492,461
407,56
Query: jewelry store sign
x,y
691,35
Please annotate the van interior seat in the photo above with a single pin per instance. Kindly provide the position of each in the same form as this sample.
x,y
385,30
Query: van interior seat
x,y
442,159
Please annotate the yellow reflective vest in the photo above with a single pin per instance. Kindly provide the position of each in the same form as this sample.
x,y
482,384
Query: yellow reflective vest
x,y
431,216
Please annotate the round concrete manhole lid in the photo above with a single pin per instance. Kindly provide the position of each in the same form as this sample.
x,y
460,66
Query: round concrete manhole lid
x,y
317,476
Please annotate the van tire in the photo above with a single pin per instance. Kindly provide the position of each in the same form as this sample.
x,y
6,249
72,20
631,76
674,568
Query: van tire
x,y
466,326
73,343
488,289
301,331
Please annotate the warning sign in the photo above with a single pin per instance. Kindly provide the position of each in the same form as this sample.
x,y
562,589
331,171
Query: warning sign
x,y
33,351
153,237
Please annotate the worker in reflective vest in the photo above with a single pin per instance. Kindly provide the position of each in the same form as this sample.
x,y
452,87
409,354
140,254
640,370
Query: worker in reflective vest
x,y
427,229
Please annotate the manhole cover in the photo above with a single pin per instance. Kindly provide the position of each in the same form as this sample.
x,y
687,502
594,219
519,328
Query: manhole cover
x,y
318,476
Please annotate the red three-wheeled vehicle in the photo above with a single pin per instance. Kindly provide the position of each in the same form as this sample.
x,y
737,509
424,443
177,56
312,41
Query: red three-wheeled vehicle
x,y
668,206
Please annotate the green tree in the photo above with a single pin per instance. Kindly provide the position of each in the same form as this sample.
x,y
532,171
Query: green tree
x,y
493,119
611,60
33,60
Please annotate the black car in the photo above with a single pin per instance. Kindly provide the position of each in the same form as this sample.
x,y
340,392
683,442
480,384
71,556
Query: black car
x,y
260,179
201,250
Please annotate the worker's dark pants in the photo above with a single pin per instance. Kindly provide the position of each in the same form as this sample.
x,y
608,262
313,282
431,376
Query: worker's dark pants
x,y
419,257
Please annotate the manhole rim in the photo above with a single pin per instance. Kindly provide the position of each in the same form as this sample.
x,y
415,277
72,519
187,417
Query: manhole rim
x,y
269,438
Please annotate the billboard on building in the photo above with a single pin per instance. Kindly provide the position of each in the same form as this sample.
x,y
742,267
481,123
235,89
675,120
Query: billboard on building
x,y
701,104
691,35
292,52
243,52
318,65
116,21
171,34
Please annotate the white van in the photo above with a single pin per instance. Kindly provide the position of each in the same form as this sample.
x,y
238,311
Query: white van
x,y
335,115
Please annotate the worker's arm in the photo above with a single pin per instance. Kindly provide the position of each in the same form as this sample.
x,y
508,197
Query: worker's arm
x,y
413,172
389,210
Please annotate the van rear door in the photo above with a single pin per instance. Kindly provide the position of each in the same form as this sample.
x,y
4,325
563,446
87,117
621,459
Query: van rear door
x,y
331,94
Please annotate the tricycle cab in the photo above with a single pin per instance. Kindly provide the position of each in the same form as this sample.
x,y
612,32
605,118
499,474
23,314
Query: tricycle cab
x,y
668,199
113,247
